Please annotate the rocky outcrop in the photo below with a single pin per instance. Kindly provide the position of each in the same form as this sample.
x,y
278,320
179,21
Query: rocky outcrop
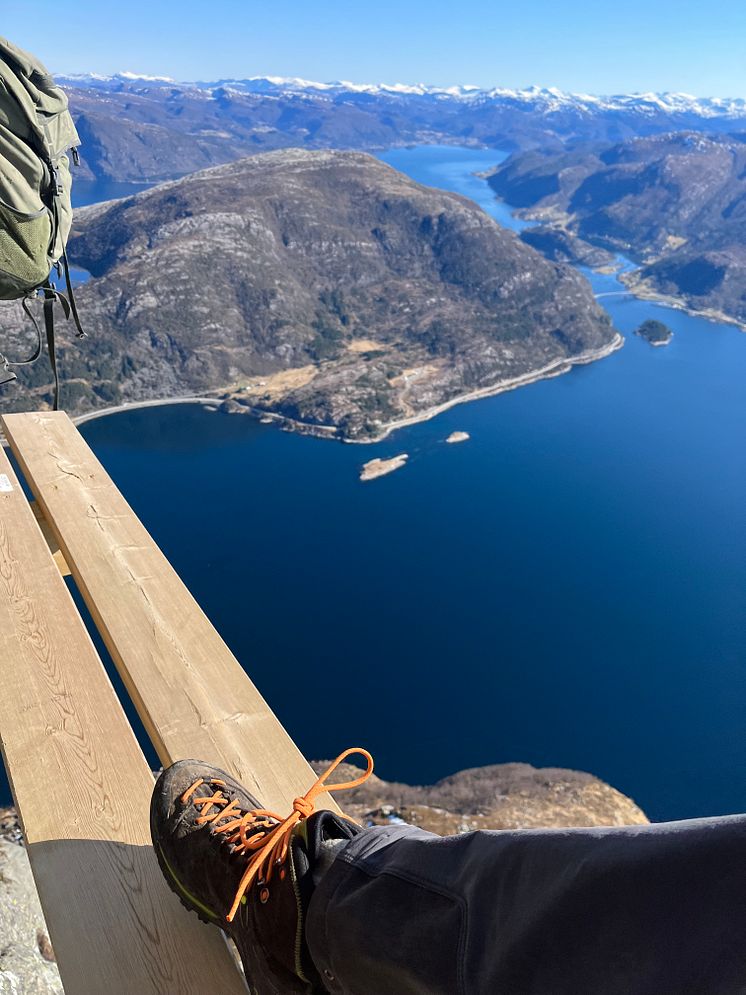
x,y
27,965
321,286
502,796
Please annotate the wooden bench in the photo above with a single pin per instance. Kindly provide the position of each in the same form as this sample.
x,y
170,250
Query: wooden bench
x,y
79,779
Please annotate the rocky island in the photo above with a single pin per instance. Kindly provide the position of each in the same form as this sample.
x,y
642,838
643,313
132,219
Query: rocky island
x,y
655,332
321,288
380,467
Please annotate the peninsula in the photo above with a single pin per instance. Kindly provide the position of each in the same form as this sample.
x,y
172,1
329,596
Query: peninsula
x,y
674,203
322,289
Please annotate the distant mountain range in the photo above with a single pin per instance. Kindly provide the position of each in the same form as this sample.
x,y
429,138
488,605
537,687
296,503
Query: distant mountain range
x,y
547,100
152,128
675,203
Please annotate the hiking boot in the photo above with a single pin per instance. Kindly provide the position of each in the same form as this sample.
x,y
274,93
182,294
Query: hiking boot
x,y
247,870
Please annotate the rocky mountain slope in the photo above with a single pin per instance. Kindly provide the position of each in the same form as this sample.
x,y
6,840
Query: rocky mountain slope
x,y
321,286
136,128
676,203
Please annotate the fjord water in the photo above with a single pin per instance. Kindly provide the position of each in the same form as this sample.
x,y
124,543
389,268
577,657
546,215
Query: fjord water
x,y
86,192
567,588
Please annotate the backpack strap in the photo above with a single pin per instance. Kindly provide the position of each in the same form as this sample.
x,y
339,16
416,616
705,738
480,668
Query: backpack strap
x,y
6,374
49,297
52,294
71,296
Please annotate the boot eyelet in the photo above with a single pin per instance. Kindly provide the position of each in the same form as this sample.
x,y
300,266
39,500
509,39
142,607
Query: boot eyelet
x,y
264,896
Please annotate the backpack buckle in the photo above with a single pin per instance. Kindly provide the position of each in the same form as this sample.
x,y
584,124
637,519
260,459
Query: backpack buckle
x,y
6,374
57,187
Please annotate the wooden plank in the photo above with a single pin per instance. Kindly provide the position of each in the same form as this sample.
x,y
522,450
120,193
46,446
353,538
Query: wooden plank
x,y
191,693
82,789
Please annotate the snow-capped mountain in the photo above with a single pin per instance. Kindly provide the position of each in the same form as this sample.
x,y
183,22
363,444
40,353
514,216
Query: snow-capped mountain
x,y
545,99
152,127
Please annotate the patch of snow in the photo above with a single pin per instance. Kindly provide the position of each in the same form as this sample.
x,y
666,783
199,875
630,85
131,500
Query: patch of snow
x,y
147,79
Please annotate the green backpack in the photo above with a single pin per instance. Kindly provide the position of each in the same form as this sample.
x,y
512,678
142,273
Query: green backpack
x,y
36,134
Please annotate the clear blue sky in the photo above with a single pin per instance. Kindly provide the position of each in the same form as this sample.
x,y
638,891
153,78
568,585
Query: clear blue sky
x,y
577,45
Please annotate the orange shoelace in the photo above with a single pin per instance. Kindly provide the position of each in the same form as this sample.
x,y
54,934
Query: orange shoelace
x,y
250,832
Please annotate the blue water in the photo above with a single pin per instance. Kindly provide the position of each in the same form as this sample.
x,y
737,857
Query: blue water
x,y
567,588
87,192
452,168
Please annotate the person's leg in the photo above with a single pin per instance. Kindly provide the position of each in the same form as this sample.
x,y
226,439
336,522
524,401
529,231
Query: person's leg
x,y
659,910
315,903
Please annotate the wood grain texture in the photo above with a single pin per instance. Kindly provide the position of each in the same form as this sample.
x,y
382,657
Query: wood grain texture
x,y
82,788
191,693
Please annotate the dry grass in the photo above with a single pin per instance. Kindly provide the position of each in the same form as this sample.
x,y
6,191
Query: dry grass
x,y
276,385
366,345
415,373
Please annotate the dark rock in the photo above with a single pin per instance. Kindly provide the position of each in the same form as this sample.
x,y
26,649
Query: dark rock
x,y
45,947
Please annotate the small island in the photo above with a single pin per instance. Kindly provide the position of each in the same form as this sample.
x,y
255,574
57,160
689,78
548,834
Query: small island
x,y
458,437
380,467
655,332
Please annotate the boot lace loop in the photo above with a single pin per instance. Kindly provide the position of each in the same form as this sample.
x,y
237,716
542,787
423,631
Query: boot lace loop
x,y
261,835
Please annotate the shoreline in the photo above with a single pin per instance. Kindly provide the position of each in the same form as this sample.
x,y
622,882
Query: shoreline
x,y
551,370
322,431
643,293
548,372
627,276
132,405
